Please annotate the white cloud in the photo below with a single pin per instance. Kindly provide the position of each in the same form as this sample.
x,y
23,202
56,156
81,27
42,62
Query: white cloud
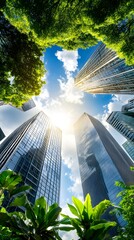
x,y
69,92
42,99
69,59
70,63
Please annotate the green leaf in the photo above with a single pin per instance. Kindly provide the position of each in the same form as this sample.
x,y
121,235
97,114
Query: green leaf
x,y
103,225
99,209
19,201
76,225
4,175
1,199
52,214
73,210
3,210
31,215
19,190
65,228
79,205
40,203
88,205
65,221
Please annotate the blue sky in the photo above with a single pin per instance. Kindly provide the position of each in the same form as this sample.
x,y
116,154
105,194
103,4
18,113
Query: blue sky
x,y
64,104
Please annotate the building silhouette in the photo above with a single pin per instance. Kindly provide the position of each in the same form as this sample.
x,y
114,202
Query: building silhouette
x,y
129,148
104,72
101,161
2,135
34,151
25,106
123,121
28,105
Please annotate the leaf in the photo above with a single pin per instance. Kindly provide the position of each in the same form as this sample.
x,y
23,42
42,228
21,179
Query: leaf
x,y
79,205
99,209
3,210
1,199
31,215
19,201
88,205
65,221
40,203
65,228
103,225
19,190
4,175
52,214
73,210
76,225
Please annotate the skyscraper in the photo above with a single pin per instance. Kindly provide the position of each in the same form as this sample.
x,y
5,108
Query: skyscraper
x,y
129,147
101,160
123,122
129,107
34,151
104,72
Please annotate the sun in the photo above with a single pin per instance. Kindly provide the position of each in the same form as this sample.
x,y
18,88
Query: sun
x,y
60,119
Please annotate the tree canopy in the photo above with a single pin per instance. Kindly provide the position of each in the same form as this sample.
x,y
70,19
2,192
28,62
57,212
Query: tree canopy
x,y
29,27
75,24
20,65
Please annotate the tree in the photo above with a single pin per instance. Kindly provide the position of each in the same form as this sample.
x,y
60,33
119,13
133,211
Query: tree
x,y
20,65
74,23
127,211
88,221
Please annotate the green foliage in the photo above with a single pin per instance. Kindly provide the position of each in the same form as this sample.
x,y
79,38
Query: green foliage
x,y
19,220
10,187
34,222
88,220
20,65
76,24
127,210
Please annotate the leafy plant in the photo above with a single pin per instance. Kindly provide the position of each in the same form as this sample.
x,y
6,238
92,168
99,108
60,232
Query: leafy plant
x,y
35,223
28,222
11,185
88,220
127,211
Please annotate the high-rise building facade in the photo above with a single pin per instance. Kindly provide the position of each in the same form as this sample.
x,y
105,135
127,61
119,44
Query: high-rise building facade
x,y
104,72
123,122
34,151
101,160
129,107
129,147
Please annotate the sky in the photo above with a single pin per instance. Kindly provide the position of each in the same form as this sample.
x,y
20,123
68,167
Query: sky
x,y
64,104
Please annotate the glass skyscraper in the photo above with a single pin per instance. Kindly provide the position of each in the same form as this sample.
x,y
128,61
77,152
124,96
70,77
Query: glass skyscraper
x,y
129,147
101,160
34,151
123,121
104,72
